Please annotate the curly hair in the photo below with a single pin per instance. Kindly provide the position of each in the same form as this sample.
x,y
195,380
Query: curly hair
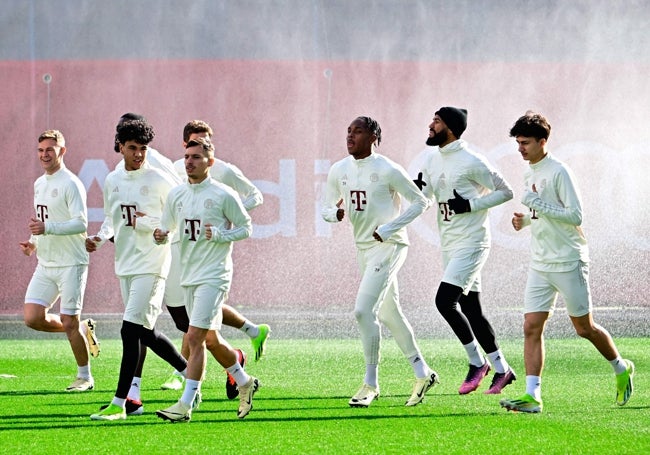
x,y
125,117
531,124
135,130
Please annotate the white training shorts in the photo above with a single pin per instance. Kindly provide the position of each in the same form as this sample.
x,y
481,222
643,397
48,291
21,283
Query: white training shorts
x,y
174,294
49,283
142,296
542,289
463,268
204,303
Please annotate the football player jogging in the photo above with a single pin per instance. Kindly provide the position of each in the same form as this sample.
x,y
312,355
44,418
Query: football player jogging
x,y
209,217
369,186
133,198
558,265
156,160
251,197
465,186
58,230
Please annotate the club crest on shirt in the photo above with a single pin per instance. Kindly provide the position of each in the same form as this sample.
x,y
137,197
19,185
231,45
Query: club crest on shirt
x,y
374,177
208,203
144,191
55,192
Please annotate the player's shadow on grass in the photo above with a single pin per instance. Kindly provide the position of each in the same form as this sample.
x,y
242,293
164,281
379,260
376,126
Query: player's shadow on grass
x,y
17,393
259,414
45,421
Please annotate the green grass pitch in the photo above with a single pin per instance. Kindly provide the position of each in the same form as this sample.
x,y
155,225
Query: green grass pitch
x,y
302,405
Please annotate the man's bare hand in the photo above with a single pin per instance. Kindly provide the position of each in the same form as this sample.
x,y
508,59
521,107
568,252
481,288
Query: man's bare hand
x,y
160,236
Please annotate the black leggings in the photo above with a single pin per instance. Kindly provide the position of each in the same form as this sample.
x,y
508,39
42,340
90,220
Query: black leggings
x,y
469,321
134,338
180,317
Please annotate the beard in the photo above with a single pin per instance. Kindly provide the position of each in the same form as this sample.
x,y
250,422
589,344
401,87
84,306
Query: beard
x,y
437,138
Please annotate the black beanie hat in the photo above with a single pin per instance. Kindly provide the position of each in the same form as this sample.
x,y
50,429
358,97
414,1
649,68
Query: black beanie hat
x,y
454,118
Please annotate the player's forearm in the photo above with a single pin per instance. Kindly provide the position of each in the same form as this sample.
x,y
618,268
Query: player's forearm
x,y
414,210
502,193
570,215
231,235
254,199
69,227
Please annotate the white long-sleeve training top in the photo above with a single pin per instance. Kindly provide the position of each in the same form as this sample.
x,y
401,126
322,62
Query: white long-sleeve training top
x,y
456,167
555,216
126,192
371,189
60,202
188,209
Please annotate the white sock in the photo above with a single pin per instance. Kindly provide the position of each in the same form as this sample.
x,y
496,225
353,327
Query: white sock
x,y
372,374
498,361
618,364
534,387
192,387
420,367
84,372
237,372
119,402
474,354
134,391
250,329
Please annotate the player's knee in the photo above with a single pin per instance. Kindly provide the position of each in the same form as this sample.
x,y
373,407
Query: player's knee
x,y
32,322
212,343
70,323
445,306
195,339
32,318
148,337
533,331
180,318
362,315
182,325
447,298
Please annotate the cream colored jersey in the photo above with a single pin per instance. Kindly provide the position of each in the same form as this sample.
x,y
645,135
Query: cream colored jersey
x,y
153,159
143,191
60,203
456,167
370,189
230,175
555,216
188,209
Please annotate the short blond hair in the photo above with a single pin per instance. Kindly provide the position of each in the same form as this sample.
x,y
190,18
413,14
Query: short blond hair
x,y
53,134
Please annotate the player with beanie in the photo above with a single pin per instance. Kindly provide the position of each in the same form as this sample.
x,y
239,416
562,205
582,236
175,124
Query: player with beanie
x,y
465,186
454,118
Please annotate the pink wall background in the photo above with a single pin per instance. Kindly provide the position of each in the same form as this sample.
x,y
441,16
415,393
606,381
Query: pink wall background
x,y
281,122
